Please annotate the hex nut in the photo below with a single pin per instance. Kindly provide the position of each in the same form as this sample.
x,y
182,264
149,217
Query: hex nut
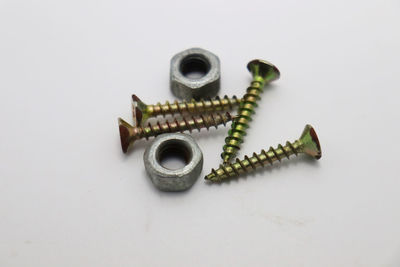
x,y
179,179
199,61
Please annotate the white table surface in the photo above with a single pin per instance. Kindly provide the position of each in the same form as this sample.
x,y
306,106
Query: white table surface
x,y
69,197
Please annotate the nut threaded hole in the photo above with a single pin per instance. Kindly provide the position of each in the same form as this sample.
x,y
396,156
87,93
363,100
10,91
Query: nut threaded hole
x,y
194,66
174,155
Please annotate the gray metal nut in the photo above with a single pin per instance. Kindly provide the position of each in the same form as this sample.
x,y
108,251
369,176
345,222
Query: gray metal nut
x,y
173,180
195,73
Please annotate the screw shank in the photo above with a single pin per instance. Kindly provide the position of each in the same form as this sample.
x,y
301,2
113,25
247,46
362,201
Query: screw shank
x,y
192,107
238,128
249,164
130,134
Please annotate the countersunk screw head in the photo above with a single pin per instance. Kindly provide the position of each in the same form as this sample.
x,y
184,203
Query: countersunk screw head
x,y
310,142
139,110
263,70
126,133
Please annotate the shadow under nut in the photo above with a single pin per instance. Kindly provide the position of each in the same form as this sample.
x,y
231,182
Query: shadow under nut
x,y
195,60
173,179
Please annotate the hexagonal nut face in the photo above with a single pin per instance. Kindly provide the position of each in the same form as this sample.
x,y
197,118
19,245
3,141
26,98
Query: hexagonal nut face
x,y
195,73
173,179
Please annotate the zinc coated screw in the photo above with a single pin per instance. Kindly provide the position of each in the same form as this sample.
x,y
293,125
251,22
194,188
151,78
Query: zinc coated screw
x,y
129,134
142,112
263,72
307,143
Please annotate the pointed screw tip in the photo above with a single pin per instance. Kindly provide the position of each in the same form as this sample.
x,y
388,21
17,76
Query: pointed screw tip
x,y
225,157
211,177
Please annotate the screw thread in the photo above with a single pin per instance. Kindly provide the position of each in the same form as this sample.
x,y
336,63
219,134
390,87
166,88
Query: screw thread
x,y
195,107
129,134
184,124
241,122
249,164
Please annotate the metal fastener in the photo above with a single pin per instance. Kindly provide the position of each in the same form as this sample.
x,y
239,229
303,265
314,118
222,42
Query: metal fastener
x,y
130,134
167,179
308,143
142,111
263,72
204,84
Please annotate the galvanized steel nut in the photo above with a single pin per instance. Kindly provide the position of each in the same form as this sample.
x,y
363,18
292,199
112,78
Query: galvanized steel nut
x,y
195,73
173,180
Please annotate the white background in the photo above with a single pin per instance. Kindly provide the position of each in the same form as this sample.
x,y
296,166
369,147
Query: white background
x,y
70,197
